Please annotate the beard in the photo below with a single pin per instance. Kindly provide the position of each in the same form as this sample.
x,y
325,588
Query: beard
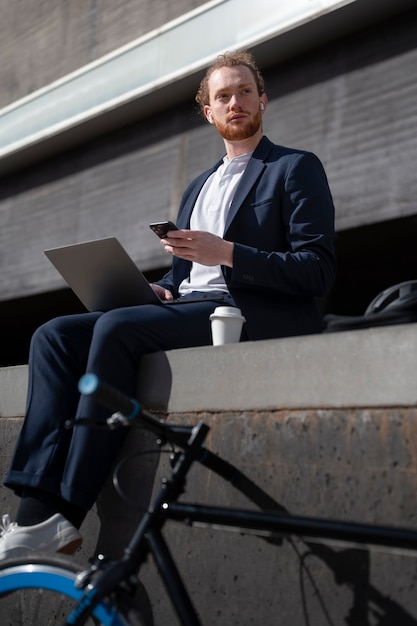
x,y
241,131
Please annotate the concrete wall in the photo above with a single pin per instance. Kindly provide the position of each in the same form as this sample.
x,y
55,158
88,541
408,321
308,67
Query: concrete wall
x,y
48,40
352,101
326,424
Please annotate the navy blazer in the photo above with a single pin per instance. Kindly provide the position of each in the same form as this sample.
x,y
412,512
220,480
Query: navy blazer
x,y
281,221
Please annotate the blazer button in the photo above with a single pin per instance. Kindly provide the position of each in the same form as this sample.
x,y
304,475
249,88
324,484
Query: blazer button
x,y
248,277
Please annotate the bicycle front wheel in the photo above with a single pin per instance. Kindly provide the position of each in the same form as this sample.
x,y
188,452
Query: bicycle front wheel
x,y
40,590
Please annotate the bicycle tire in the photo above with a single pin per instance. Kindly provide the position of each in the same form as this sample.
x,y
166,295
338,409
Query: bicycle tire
x,y
40,590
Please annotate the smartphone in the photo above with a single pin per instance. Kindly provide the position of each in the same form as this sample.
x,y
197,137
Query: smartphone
x,y
161,228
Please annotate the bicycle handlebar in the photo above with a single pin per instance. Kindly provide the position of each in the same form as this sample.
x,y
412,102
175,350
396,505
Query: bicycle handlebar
x,y
91,385
127,411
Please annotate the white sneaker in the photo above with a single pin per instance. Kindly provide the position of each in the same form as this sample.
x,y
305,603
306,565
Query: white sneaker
x,y
55,534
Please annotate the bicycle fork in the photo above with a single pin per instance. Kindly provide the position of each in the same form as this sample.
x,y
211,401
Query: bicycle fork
x,y
171,488
105,577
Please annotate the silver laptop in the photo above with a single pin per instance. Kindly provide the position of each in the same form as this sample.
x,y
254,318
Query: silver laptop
x,y
102,274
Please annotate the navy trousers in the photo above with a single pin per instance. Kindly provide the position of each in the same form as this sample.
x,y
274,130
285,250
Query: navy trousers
x,y
73,464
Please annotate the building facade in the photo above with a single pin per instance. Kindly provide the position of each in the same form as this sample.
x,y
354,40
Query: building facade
x,y
101,133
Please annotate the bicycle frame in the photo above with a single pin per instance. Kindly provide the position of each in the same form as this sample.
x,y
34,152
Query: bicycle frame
x,y
272,523
268,525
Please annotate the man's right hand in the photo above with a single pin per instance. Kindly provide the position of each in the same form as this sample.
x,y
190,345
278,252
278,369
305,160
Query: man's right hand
x,y
163,294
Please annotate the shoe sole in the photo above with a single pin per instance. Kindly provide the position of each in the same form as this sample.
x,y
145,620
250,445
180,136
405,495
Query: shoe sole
x,y
71,547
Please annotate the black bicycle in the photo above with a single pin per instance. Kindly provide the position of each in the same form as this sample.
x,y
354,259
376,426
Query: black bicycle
x,y
107,591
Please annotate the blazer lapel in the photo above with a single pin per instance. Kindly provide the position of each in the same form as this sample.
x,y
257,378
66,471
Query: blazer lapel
x,y
187,209
253,170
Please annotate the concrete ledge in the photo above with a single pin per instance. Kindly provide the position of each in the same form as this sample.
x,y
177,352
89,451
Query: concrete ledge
x,y
368,368
372,367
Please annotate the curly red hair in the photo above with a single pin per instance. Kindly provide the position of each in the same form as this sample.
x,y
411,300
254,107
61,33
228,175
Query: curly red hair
x,y
229,59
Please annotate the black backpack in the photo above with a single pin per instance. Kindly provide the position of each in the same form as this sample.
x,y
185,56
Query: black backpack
x,y
395,305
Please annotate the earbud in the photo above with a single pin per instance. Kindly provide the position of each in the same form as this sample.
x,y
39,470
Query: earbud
x,y
262,106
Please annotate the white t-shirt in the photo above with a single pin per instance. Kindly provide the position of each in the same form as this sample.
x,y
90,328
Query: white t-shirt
x,y
210,214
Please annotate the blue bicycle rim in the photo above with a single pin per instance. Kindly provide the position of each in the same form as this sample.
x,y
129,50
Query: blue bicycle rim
x,y
37,576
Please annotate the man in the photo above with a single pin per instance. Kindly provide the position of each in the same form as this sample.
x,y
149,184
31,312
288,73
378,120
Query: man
x,y
255,231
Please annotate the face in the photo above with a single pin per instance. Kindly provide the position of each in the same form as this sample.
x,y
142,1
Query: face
x,y
235,106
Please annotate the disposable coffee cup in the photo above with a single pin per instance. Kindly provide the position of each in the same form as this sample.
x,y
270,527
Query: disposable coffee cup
x,y
226,325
